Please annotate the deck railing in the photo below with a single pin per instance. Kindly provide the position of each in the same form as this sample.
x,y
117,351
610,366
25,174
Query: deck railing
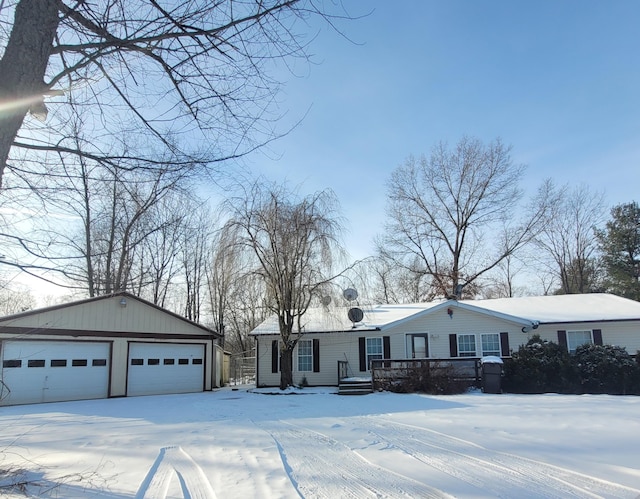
x,y
343,369
385,370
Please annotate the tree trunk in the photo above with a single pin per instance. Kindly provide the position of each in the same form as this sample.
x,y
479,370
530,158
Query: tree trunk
x,y
286,366
23,67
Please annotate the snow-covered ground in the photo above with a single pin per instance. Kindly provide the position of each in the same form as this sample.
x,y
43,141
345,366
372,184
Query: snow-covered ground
x,y
314,443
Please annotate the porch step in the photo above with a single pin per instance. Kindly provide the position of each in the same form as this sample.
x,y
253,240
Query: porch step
x,y
355,387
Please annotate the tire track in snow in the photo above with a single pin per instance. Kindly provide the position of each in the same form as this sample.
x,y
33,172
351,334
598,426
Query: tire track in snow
x,y
321,467
175,461
505,475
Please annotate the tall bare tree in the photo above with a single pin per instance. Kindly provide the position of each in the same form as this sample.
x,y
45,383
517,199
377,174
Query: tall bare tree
x,y
569,238
161,72
295,242
236,293
442,211
390,283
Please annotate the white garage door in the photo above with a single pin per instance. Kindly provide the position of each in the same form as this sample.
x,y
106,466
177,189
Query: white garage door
x,y
53,371
160,368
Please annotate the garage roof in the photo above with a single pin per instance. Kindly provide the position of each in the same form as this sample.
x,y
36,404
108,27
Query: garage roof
x,y
133,315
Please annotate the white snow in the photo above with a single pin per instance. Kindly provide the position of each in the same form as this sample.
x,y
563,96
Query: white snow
x,y
491,359
313,443
564,308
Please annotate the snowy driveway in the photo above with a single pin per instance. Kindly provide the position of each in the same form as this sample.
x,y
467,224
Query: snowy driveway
x,y
316,444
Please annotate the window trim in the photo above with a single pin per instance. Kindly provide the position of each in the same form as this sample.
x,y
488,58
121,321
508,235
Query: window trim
x,y
575,346
467,353
369,356
497,352
307,356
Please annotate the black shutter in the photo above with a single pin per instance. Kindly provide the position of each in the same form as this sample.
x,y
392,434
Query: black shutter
x,y
504,344
453,345
386,349
274,356
597,336
362,346
562,339
316,356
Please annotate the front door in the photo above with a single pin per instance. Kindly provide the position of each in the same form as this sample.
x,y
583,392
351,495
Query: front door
x,y
417,346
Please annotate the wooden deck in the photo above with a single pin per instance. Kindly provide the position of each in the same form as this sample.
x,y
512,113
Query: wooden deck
x,y
385,371
389,370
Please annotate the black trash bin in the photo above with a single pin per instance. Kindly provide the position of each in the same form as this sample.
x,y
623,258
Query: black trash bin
x,y
491,374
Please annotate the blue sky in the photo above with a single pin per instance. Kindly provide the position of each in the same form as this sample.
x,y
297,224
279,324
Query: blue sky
x,y
557,80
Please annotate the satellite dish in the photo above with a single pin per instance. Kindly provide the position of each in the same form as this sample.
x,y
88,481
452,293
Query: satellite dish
x,y
355,314
325,300
350,294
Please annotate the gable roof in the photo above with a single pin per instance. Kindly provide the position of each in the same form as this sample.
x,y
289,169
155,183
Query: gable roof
x,y
9,319
526,311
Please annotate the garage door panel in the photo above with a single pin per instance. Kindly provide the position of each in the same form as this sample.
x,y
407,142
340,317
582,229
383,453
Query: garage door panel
x,y
52,371
162,368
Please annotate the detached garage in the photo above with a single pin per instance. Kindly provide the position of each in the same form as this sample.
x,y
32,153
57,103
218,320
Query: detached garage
x,y
110,346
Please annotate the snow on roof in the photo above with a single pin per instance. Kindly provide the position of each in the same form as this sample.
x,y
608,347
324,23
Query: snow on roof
x,y
336,319
564,308
542,309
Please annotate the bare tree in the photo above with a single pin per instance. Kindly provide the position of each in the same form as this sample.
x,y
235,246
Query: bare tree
x,y
246,308
161,72
224,272
236,292
569,238
443,211
295,242
14,298
195,255
158,256
390,283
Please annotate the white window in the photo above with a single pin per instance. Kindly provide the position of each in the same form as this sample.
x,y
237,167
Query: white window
x,y
577,338
374,350
305,355
490,344
466,345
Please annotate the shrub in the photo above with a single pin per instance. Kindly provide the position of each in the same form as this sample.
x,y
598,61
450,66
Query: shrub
x,y
540,366
607,369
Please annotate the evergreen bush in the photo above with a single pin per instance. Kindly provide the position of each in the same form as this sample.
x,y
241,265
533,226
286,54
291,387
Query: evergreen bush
x,y
607,369
540,366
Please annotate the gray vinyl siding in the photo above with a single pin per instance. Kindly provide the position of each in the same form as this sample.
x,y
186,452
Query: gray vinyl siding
x,y
622,333
333,347
438,326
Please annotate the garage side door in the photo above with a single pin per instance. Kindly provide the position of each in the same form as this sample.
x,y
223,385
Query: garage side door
x,y
54,371
162,368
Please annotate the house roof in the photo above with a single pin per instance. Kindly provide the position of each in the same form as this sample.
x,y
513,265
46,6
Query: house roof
x,y
526,311
593,307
